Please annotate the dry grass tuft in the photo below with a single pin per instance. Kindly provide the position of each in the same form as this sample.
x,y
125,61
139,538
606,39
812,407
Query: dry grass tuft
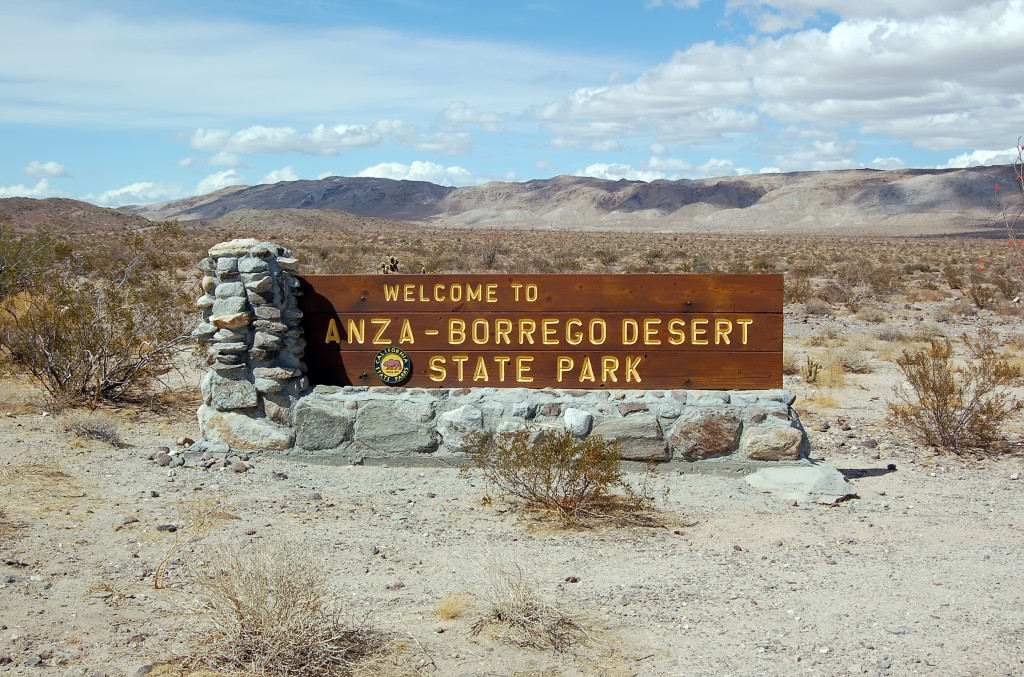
x,y
521,616
272,611
92,425
452,606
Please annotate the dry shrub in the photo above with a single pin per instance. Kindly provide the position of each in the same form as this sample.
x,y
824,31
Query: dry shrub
x,y
452,606
891,334
273,611
872,314
197,516
816,306
852,360
522,616
790,362
832,375
548,469
957,407
92,425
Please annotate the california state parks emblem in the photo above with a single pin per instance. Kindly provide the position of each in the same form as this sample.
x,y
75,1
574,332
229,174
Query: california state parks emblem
x,y
392,365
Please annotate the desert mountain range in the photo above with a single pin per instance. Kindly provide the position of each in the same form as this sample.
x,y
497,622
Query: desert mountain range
x,y
907,202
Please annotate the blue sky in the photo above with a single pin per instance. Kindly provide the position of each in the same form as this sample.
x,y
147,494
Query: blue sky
x,y
125,102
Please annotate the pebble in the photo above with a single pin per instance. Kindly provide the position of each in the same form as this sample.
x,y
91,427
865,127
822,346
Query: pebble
x,y
374,550
896,630
313,496
1015,476
144,670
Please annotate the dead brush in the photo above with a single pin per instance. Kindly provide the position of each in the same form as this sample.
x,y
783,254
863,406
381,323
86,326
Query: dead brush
x,y
520,615
271,610
92,425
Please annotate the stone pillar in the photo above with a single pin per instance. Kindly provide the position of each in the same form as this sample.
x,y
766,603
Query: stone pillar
x,y
251,327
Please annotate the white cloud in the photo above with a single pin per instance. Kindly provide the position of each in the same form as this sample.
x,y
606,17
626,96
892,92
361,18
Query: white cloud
x,y
126,72
324,175
278,175
423,171
978,158
325,140
769,170
605,146
186,162
678,4
223,159
939,75
617,171
40,190
771,16
45,170
214,182
461,113
141,192
886,163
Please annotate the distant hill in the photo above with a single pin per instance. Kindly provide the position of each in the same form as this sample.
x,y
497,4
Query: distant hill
x,y
24,213
855,202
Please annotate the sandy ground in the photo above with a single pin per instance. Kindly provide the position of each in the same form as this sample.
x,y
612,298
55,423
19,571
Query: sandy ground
x,y
920,574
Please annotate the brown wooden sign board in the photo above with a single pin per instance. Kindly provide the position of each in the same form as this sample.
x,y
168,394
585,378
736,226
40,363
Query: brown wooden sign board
x,y
565,331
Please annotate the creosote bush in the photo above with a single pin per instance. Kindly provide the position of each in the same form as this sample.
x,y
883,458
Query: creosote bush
x,y
956,407
101,324
551,470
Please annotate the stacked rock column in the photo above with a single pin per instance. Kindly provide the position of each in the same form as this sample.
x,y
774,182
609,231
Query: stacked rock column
x,y
251,325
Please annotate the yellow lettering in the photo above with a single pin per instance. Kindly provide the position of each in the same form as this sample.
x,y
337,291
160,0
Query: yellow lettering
x,y
332,333
356,333
456,331
573,338
531,293
516,286
502,329
676,331
744,324
455,292
384,323
651,332
438,372
474,293
523,368
587,370
409,289
391,292
502,360
481,370
421,296
492,293
564,365
405,336
630,332
599,324
460,360
722,330
481,337
526,329
439,292
548,328
609,364
631,372
695,332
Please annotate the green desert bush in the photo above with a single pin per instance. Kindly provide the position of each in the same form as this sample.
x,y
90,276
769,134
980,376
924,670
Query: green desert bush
x,y
551,470
956,407
103,324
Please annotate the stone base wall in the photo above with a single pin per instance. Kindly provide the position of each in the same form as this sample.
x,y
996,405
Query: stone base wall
x,y
360,424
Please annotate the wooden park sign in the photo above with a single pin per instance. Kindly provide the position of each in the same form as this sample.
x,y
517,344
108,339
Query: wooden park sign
x,y
535,331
